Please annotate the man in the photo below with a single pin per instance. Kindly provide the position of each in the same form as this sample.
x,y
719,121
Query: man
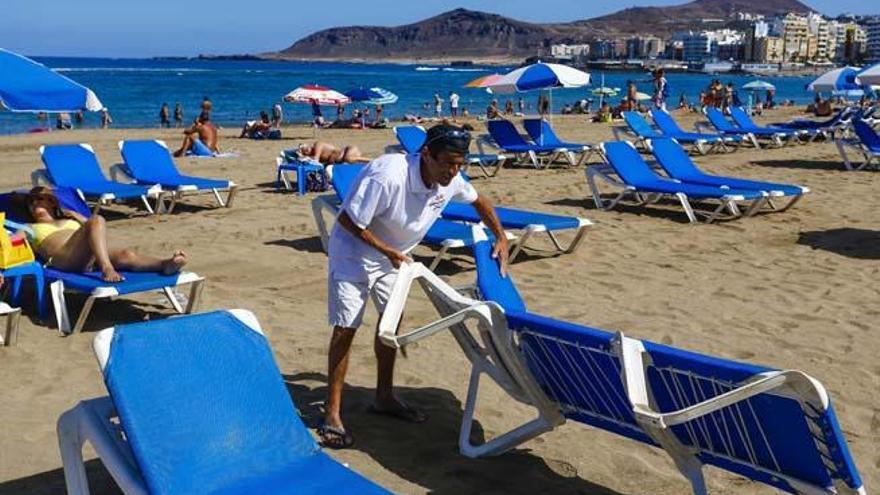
x,y
438,105
201,138
277,115
453,104
164,116
395,200
661,90
207,108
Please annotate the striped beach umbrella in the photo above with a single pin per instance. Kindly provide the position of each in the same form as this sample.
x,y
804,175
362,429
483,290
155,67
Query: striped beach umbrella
x,y
372,96
540,76
869,76
312,92
759,86
842,79
27,86
483,81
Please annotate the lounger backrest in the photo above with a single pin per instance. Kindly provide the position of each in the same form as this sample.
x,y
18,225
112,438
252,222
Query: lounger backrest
x,y
742,118
148,160
718,120
541,132
639,125
866,134
505,134
13,204
343,179
202,403
492,285
674,159
769,437
70,165
628,164
666,123
411,137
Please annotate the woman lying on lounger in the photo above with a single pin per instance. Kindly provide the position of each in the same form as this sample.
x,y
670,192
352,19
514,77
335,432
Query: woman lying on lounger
x,y
329,154
68,241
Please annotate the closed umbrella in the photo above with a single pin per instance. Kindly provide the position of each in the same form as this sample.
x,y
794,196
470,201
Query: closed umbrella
x,y
27,86
842,79
314,93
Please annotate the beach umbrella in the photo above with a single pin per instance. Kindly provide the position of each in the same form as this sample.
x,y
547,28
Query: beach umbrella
x,y
605,91
540,76
841,79
759,86
372,96
483,81
642,96
27,86
869,76
312,92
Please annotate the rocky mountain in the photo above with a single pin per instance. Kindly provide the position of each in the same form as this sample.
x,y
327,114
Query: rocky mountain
x,y
468,34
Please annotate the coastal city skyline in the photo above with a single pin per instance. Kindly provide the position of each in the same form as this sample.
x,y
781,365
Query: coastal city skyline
x,y
107,31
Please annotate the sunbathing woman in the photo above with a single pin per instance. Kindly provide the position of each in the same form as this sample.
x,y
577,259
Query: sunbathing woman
x,y
68,241
329,154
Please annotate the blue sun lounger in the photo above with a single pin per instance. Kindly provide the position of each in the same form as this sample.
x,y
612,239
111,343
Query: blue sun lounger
x,y
412,138
150,162
289,162
505,136
638,179
638,127
197,404
776,427
542,134
91,283
866,143
699,140
742,119
443,235
678,165
825,128
727,128
76,166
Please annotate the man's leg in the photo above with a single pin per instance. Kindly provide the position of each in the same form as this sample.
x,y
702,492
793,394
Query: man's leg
x,y
337,365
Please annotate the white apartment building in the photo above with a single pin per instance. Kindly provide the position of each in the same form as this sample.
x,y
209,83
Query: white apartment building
x,y
569,51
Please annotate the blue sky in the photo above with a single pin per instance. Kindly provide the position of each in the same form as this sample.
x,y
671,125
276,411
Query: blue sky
x,y
125,28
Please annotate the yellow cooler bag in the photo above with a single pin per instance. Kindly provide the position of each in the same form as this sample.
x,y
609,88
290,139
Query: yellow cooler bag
x,y
14,250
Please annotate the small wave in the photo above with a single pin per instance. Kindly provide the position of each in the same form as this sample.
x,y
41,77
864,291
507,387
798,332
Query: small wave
x,y
425,69
454,69
126,69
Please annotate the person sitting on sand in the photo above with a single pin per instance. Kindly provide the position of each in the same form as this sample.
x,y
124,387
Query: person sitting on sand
x,y
202,135
256,128
68,241
492,111
329,154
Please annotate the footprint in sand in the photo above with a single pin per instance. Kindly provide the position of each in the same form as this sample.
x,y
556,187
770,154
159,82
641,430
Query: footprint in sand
x,y
562,468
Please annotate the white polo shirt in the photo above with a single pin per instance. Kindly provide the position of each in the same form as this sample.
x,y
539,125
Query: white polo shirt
x,y
390,199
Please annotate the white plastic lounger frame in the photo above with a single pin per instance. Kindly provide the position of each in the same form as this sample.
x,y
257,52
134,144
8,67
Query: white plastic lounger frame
x,y
41,177
532,157
497,354
10,330
746,137
869,159
119,173
533,229
62,317
700,146
93,421
488,349
489,164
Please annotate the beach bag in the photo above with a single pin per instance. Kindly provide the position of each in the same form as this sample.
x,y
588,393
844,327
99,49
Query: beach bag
x,y
14,249
316,182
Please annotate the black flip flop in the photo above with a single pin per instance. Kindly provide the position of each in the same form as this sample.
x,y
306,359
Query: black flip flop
x,y
403,413
325,431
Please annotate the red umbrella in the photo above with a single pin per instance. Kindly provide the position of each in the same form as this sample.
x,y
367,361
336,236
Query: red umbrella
x,y
313,92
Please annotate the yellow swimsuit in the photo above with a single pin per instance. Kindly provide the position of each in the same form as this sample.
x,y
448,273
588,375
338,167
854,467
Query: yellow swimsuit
x,y
43,230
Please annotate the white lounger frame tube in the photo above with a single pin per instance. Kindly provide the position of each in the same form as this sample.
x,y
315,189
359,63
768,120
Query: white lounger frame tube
x,y
62,317
119,173
701,146
869,160
499,357
92,421
533,158
11,315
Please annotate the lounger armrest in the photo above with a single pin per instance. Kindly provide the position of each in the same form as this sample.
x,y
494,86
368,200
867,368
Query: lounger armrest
x,y
409,273
634,364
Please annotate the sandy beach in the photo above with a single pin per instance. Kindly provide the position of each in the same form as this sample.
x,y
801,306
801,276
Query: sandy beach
x,y
792,290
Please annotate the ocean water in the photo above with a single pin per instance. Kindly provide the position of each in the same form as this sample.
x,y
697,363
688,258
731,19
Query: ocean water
x,y
134,89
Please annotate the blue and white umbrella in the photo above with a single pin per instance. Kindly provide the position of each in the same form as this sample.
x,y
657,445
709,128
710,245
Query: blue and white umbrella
x,y
540,76
759,86
372,96
27,86
842,79
870,76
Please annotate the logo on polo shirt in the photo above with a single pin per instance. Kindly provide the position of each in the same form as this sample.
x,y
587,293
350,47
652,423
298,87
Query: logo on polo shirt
x,y
437,202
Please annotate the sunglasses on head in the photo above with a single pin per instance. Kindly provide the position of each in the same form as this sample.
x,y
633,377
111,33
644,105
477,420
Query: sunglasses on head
x,y
452,135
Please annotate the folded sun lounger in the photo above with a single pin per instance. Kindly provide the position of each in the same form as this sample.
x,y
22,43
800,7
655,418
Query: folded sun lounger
x,y
542,134
702,142
678,165
637,178
444,234
505,136
92,285
197,404
776,427
412,138
150,162
76,166
866,142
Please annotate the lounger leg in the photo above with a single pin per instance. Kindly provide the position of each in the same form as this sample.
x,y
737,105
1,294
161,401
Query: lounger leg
x,y
594,190
10,336
217,197
172,298
575,242
70,442
437,259
519,244
84,314
147,204
62,319
841,147
195,295
754,139
688,210
231,196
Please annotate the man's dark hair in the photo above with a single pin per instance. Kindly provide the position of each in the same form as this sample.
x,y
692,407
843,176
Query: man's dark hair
x,y
450,138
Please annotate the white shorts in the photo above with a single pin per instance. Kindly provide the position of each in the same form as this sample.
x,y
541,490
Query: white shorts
x,y
347,300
